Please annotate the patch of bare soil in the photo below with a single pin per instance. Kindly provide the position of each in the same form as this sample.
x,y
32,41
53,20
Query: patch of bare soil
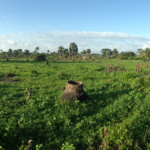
x,y
9,80
111,68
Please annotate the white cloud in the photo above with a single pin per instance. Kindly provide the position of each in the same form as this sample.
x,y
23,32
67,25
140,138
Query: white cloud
x,y
5,36
11,42
93,40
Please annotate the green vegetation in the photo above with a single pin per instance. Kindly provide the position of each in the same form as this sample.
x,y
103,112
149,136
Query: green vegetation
x,y
116,115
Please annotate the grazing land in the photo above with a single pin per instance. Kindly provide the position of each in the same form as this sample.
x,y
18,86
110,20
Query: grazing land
x,y
116,115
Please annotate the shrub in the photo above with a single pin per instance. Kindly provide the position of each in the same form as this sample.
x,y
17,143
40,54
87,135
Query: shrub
x,y
136,58
130,58
141,82
124,57
129,75
127,54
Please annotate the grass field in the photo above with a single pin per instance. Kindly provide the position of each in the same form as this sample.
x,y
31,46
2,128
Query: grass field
x,y
116,115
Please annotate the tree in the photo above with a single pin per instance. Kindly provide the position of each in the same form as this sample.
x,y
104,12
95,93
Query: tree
x,y
139,50
83,52
36,48
127,54
65,51
10,52
147,53
88,51
74,49
19,51
26,52
48,51
60,51
115,52
15,52
70,52
104,52
108,54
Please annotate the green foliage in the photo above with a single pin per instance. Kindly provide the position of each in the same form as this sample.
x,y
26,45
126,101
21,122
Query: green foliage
x,y
85,77
129,75
127,54
67,146
33,73
117,100
141,82
130,58
100,69
124,57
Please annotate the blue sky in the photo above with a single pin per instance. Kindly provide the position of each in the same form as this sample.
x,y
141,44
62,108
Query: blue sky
x,y
94,24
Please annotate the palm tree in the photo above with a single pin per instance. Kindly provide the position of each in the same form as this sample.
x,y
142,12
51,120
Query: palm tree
x,y
141,52
65,51
10,52
26,52
15,52
70,52
147,53
19,51
37,49
83,52
88,51
48,51
74,49
115,52
60,51
107,54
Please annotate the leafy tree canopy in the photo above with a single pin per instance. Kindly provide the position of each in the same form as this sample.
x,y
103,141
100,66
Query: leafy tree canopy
x,y
127,54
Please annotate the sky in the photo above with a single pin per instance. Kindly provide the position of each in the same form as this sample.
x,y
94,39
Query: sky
x,y
91,24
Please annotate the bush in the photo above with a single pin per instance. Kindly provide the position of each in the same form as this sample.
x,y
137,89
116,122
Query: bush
x,y
127,54
129,75
130,58
136,58
124,58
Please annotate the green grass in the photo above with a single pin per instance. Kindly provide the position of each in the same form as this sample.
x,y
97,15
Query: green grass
x,y
119,101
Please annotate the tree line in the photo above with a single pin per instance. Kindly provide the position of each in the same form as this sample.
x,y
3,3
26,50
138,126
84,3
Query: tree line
x,y
72,51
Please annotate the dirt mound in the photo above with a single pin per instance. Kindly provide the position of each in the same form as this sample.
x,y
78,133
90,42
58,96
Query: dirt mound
x,y
111,68
74,90
40,58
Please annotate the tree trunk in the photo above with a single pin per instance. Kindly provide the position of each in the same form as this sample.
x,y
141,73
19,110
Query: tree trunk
x,y
147,58
70,55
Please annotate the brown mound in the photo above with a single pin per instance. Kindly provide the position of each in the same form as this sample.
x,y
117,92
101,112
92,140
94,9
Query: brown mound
x,y
111,68
40,58
74,90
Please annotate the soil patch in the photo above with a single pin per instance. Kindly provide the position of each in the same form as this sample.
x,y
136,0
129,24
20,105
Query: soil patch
x,y
111,68
9,80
